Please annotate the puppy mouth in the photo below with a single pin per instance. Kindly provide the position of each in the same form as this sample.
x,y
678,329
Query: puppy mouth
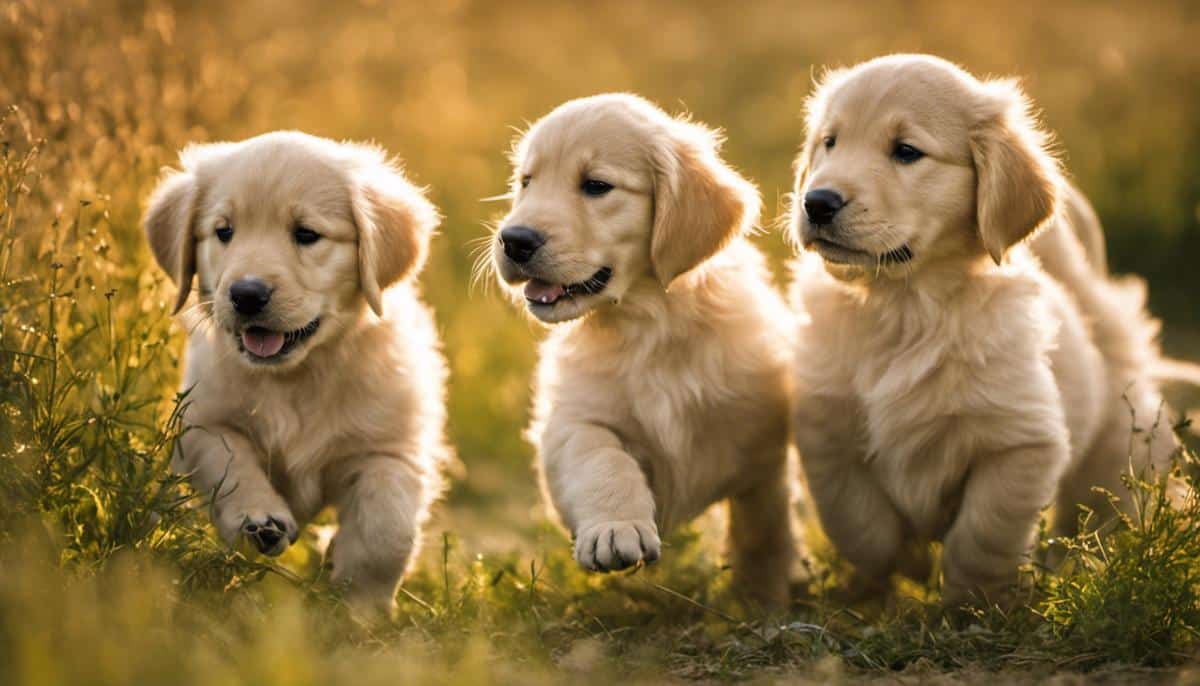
x,y
264,345
539,293
832,251
837,253
897,255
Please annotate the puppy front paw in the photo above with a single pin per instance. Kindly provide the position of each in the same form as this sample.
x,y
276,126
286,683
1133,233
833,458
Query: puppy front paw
x,y
613,546
264,520
271,534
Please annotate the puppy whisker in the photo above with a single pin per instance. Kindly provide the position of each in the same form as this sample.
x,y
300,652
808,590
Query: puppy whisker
x,y
482,266
197,314
786,219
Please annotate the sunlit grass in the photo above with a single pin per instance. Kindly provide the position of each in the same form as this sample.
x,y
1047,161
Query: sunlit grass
x,y
109,571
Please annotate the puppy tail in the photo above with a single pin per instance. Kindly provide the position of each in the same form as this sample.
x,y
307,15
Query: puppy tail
x,y
1130,295
1171,370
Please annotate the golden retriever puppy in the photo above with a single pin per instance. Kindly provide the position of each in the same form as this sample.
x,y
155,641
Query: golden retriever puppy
x,y
313,369
947,386
668,388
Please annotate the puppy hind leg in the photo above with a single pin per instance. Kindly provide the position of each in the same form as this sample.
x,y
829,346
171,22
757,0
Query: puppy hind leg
x,y
761,547
1155,444
381,503
1138,442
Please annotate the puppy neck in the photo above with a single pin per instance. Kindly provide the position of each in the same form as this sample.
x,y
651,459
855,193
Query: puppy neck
x,y
734,284
647,306
940,282
939,271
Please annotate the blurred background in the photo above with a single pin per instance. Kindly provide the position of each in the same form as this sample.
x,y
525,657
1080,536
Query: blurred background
x,y
101,94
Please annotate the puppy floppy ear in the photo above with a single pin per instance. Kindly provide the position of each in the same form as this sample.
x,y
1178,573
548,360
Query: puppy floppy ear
x,y
168,226
700,203
1017,180
395,223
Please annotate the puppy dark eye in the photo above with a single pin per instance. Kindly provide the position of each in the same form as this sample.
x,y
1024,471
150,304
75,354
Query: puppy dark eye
x,y
525,181
906,154
829,142
225,234
305,235
595,187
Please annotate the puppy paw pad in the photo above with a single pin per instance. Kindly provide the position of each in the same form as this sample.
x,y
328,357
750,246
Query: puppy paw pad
x,y
271,535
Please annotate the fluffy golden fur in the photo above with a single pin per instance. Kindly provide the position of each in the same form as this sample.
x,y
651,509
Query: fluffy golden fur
x,y
668,389
350,414
949,387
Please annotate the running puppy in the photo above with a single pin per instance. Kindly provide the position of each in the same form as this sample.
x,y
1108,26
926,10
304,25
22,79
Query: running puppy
x,y
950,386
664,386
313,366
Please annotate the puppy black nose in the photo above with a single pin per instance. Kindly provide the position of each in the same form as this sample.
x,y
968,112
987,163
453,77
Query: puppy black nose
x,y
249,296
521,242
822,204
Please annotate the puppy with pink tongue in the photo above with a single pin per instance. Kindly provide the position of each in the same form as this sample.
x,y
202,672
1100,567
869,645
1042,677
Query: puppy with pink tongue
x,y
262,342
313,371
663,385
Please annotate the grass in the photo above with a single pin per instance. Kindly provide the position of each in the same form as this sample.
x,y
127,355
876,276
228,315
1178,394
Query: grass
x,y
109,571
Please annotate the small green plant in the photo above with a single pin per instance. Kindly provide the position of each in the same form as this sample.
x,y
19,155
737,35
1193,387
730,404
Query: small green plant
x,y
1133,596
87,432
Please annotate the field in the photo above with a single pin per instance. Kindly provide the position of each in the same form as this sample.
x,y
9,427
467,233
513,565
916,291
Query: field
x,y
109,571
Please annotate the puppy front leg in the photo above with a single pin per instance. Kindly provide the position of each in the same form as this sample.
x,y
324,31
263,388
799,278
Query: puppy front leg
x,y
855,512
996,523
224,464
602,495
760,541
381,502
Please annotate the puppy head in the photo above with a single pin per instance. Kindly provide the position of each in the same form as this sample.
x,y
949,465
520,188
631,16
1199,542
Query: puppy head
x,y
909,159
610,191
289,237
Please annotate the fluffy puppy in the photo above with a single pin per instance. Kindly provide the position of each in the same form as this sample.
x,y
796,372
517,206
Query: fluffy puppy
x,y
313,371
949,388
668,389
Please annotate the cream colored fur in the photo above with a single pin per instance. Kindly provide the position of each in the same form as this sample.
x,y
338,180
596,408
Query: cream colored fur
x,y
668,390
953,396
353,416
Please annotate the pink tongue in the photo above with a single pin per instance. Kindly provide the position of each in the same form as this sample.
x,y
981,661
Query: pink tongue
x,y
261,342
542,292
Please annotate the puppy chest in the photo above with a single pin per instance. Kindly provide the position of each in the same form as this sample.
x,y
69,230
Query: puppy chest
x,y
303,434
923,427
698,449
925,488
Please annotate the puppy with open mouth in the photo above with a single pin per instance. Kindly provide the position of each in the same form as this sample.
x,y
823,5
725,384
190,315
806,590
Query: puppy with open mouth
x,y
663,387
950,383
313,371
